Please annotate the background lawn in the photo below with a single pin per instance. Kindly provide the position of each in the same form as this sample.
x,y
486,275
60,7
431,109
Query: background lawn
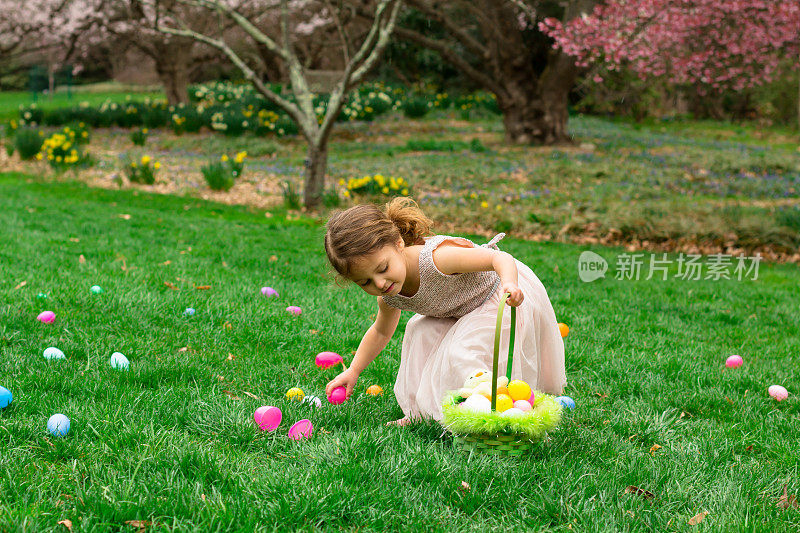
x,y
172,441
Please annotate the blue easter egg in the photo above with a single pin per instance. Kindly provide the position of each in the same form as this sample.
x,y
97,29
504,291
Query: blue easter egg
x,y
5,397
189,311
119,361
53,353
566,401
58,425
96,289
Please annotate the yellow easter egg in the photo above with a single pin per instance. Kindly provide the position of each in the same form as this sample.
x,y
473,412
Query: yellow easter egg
x,y
374,390
504,402
295,394
519,390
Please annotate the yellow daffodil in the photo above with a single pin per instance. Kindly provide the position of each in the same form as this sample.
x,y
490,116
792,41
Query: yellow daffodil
x,y
224,157
157,165
484,204
145,159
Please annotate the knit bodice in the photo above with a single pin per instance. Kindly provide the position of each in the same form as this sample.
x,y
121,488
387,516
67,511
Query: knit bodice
x,y
447,295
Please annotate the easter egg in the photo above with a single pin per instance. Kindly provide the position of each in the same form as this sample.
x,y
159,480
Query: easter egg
x,y
189,311
118,361
523,405
734,361
566,401
502,390
295,394
53,353
519,390
267,417
327,359
504,402
293,309
778,392
313,401
41,296
478,403
5,397
374,390
96,289
502,382
563,329
269,291
301,429
338,395
58,425
48,317
513,412
532,399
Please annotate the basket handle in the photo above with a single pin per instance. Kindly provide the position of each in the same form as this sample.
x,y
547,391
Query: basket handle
x,y
497,331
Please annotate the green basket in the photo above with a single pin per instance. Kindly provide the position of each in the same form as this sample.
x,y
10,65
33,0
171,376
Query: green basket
x,y
506,442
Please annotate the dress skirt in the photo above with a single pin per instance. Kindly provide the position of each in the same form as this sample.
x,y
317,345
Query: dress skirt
x,y
439,354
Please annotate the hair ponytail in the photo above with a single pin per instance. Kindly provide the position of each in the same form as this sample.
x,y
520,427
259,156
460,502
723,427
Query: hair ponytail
x,y
364,229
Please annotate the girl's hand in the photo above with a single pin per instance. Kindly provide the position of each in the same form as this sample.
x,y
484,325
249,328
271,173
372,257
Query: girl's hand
x,y
516,295
346,379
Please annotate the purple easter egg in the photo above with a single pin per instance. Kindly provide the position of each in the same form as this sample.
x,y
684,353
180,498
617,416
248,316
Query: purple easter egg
x,y
268,291
293,309
327,359
48,317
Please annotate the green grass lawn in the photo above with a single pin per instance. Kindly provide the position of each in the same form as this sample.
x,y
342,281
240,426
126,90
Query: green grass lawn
x,y
172,441
10,101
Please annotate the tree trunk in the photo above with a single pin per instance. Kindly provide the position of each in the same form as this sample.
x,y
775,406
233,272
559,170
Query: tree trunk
x,y
172,66
534,106
316,163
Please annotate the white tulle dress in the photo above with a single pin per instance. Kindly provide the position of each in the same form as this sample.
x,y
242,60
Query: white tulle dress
x,y
440,352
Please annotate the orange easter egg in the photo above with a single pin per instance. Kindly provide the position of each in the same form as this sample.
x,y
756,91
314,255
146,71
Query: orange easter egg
x,y
563,328
374,390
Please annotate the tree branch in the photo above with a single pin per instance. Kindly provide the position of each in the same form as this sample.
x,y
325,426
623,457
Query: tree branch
x,y
469,42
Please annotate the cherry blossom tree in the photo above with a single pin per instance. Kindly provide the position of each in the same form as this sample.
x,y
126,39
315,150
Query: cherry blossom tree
x,y
313,126
712,44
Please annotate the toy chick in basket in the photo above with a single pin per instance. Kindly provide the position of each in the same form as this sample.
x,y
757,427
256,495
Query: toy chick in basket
x,y
455,288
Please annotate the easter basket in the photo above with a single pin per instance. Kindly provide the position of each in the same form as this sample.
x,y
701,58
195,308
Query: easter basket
x,y
493,432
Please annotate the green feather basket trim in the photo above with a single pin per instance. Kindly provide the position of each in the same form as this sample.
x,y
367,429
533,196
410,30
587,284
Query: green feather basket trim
x,y
533,425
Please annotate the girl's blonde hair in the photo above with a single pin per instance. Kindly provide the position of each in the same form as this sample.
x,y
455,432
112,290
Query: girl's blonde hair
x,y
364,229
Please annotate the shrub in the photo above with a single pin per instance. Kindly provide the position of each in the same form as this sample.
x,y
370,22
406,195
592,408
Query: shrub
x,y
78,133
415,107
218,176
28,142
139,137
377,185
143,171
61,151
291,195
285,126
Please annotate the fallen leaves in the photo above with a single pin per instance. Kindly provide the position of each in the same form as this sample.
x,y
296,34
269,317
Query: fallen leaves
x,y
699,517
465,486
646,494
250,394
787,501
202,287
124,216
171,286
81,259
654,448
66,523
74,239
141,524
230,357
165,263
20,285
183,349
273,258
231,395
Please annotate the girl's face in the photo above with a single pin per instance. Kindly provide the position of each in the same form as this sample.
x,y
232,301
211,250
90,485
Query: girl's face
x,y
381,273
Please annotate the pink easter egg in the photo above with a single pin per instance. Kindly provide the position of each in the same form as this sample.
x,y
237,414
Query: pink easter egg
x,y
301,429
48,317
523,405
293,309
327,359
734,361
338,395
267,417
778,392
532,399
268,291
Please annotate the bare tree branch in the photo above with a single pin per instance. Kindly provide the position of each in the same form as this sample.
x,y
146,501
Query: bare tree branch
x,y
458,32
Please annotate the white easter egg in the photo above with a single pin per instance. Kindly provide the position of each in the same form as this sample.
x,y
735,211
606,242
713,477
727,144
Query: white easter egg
x,y
513,412
478,404
53,353
313,401
119,361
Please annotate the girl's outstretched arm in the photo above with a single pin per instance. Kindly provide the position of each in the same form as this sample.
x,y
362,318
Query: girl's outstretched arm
x,y
375,339
458,259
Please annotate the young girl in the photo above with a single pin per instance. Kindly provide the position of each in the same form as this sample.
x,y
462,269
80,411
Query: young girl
x,y
454,287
